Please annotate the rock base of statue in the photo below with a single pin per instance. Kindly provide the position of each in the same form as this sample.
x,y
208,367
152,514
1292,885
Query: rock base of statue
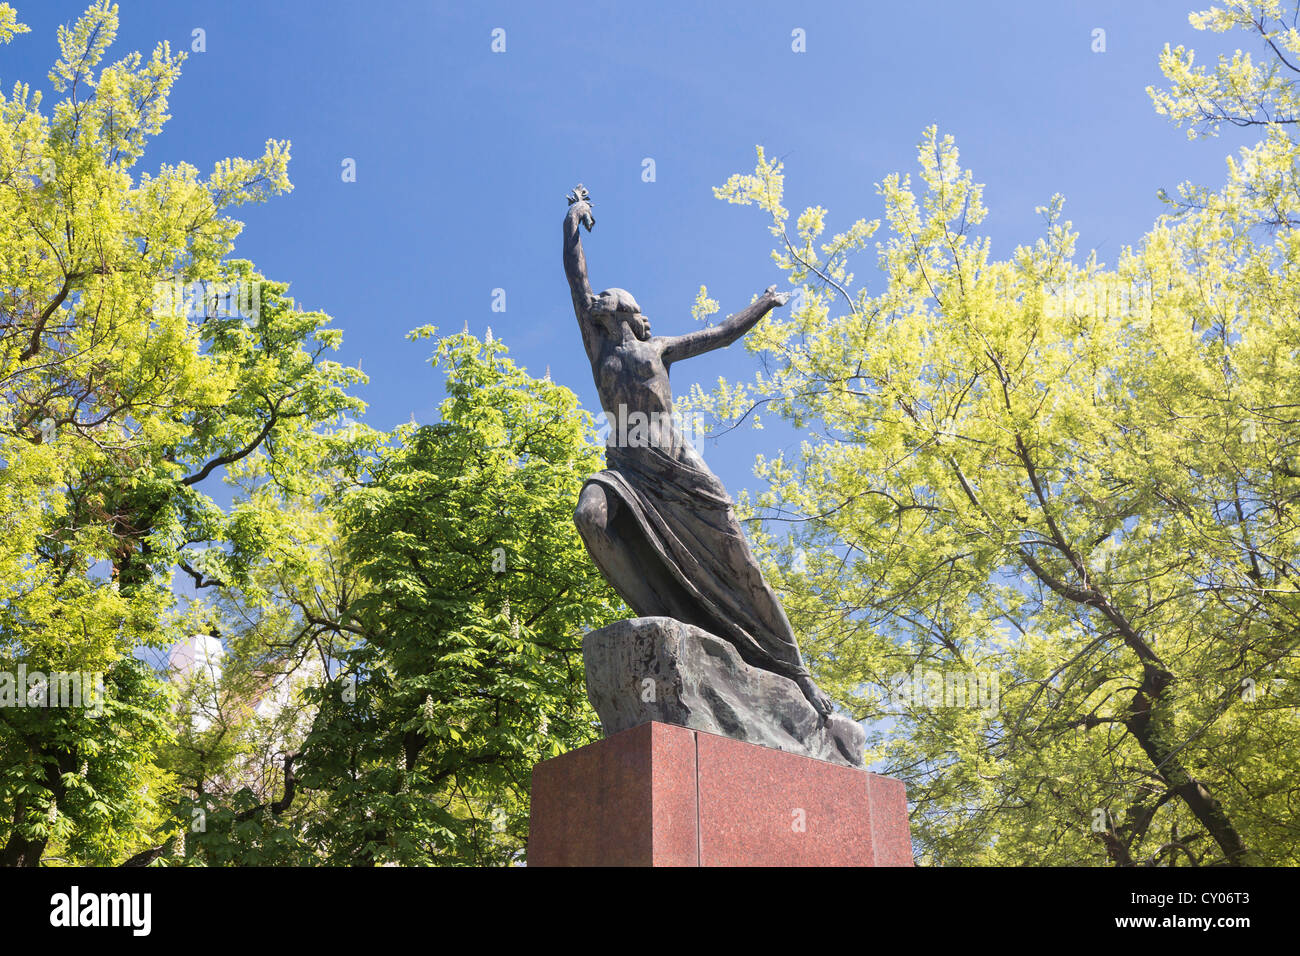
x,y
664,795
657,668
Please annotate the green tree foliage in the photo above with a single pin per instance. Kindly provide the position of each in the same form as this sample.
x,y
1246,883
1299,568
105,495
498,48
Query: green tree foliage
x,y
373,561
121,411
465,594
412,605
478,591
1079,481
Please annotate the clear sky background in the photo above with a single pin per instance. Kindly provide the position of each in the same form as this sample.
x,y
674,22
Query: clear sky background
x,y
463,156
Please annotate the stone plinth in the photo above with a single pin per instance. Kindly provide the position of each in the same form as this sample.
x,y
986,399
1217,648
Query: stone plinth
x,y
664,795
659,669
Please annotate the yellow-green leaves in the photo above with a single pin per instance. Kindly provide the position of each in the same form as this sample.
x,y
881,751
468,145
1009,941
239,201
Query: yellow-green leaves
x,y
1064,476
123,410
1239,90
9,25
703,307
82,46
763,189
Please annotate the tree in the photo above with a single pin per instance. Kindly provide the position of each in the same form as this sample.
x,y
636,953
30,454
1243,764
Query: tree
x,y
124,403
465,592
478,594
432,579
1072,486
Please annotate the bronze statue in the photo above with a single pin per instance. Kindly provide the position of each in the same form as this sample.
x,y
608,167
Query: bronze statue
x,y
657,522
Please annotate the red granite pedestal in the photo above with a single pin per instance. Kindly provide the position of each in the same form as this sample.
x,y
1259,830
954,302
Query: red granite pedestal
x,y
661,795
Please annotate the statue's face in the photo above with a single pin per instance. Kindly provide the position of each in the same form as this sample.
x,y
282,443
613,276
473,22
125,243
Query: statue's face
x,y
615,322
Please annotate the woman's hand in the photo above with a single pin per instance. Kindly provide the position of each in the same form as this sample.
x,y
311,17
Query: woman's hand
x,y
780,298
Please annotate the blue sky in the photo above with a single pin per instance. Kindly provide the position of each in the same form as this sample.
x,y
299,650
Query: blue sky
x,y
463,155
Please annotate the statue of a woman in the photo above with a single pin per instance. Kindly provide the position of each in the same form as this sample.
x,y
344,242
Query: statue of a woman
x,y
657,522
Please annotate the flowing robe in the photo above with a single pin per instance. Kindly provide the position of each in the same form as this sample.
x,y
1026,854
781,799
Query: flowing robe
x,y
694,555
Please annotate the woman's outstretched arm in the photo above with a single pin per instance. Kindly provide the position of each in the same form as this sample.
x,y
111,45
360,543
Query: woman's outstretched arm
x,y
679,347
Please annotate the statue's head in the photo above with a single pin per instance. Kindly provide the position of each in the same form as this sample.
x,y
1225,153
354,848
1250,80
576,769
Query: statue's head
x,y
640,326
581,198
615,308
614,322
